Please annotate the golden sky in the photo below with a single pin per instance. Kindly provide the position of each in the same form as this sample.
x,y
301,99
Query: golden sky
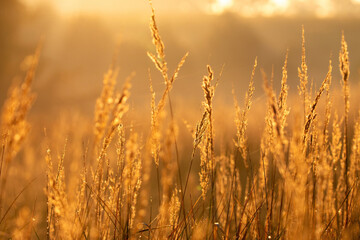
x,y
248,8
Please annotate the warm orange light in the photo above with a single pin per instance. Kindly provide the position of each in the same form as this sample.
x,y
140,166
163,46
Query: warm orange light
x,y
221,5
280,3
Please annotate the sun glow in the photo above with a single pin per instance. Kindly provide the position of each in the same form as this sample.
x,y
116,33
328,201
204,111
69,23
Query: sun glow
x,y
280,3
245,8
220,6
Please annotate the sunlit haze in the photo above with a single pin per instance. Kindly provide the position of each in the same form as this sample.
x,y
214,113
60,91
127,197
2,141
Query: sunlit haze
x,y
82,36
221,5
247,8
280,4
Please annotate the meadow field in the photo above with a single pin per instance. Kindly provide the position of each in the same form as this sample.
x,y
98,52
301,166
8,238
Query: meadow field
x,y
280,161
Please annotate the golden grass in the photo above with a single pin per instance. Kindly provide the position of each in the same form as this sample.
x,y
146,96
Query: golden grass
x,y
125,184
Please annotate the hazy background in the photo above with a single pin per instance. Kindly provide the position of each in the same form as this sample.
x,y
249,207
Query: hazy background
x,y
81,37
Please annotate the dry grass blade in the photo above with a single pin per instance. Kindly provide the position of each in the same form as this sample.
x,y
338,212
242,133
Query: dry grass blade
x,y
161,65
340,206
209,92
105,207
15,199
273,106
241,121
14,126
312,114
198,136
345,72
159,45
200,131
284,87
104,104
303,75
328,108
207,149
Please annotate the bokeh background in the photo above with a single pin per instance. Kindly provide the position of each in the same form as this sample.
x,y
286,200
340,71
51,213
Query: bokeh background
x,y
82,36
